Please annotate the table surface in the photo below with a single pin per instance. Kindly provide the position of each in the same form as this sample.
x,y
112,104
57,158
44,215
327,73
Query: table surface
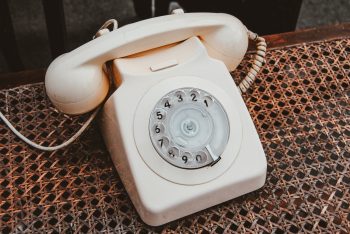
x,y
301,109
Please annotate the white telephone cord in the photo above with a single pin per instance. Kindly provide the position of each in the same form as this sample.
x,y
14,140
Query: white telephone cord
x,y
259,60
50,148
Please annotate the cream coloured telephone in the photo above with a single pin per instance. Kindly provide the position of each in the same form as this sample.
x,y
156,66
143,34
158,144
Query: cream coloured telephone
x,y
177,129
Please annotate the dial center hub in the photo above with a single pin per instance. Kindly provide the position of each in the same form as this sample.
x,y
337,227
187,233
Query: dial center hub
x,y
189,127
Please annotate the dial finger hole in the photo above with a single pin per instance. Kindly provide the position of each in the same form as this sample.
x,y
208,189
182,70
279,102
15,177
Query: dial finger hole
x,y
173,152
201,157
194,95
163,142
180,96
159,114
166,103
158,129
186,157
208,101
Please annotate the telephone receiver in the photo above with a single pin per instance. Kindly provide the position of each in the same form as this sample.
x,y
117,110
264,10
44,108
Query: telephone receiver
x,y
176,127
76,83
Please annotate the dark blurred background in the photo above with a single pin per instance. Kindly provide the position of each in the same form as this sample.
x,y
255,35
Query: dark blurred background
x,y
83,17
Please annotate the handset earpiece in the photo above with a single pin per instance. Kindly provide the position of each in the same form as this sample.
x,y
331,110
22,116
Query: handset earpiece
x,y
75,82
78,91
95,88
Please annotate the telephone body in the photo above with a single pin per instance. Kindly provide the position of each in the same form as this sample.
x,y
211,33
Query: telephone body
x,y
177,128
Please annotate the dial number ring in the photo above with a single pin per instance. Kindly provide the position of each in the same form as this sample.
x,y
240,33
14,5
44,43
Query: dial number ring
x,y
189,128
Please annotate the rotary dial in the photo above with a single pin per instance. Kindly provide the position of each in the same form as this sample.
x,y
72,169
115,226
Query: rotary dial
x,y
189,128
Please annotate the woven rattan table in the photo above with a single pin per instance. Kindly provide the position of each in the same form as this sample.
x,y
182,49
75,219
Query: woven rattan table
x,y
300,105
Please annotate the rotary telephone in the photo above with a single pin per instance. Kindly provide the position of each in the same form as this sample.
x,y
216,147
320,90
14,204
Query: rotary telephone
x,y
176,127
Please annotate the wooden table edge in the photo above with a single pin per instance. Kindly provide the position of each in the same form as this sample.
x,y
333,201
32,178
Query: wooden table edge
x,y
325,33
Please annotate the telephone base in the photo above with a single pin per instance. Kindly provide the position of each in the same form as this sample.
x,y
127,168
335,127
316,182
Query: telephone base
x,y
162,192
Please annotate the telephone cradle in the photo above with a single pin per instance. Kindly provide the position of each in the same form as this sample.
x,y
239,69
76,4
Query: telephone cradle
x,y
176,126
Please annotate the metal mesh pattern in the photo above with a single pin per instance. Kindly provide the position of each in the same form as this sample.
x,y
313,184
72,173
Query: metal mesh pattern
x,y
300,106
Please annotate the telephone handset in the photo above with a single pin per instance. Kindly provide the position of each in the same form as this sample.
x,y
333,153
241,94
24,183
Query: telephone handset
x,y
76,83
176,127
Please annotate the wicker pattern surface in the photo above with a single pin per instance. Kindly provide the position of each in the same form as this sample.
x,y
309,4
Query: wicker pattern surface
x,y
300,105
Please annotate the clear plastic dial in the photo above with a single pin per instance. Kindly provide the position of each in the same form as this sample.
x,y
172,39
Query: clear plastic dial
x,y
189,128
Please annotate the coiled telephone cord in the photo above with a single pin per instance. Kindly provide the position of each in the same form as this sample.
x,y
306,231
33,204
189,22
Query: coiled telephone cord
x,y
259,60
